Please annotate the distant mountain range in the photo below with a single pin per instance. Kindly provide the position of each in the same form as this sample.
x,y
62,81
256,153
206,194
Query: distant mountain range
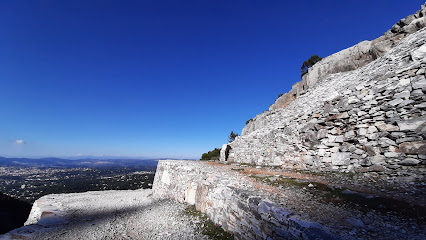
x,y
67,163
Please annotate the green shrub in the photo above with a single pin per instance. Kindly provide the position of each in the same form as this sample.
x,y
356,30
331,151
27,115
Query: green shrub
x,y
211,155
232,136
309,63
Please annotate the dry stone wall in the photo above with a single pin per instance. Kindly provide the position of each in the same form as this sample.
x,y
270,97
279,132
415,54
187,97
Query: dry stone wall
x,y
371,119
233,202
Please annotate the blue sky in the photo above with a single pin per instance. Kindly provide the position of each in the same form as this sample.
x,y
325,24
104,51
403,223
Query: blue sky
x,y
160,78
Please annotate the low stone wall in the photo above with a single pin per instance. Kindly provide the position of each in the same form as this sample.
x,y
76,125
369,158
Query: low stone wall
x,y
231,201
368,120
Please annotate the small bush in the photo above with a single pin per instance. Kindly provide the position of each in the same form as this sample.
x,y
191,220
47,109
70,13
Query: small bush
x,y
232,136
309,63
211,155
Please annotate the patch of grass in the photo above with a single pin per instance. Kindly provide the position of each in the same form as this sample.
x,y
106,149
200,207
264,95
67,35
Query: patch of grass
x,y
206,226
247,165
237,169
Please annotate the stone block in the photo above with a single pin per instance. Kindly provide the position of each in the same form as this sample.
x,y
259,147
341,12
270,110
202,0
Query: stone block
x,y
404,94
418,147
411,124
322,133
388,128
340,158
362,131
409,162
419,82
395,102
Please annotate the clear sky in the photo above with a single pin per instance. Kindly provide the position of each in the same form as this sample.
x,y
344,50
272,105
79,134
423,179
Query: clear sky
x,y
160,78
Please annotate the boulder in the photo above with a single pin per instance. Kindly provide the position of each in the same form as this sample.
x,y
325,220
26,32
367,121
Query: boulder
x,y
409,162
418,147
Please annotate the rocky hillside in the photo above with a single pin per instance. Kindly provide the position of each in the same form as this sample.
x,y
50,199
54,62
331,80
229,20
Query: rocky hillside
x,y
354,57
367,120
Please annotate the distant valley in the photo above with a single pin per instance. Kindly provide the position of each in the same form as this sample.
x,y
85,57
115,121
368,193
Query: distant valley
x,y
69,163
24,180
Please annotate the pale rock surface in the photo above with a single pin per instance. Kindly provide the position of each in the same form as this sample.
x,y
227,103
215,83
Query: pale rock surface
x,y
123,214
357,56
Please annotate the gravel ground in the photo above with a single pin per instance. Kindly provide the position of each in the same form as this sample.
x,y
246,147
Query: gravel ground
x,y
122,214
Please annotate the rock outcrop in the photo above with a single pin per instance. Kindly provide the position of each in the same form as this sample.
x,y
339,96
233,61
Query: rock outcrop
x,y
354,57
265,203
370,119
121,214
232,201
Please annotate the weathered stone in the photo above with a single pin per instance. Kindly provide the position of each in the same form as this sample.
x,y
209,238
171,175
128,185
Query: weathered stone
x,y
378,159
359,151
322,133
417,92
393,149
372,129
419,54
404,95
409,162
421,105
343,115
388,128
419,82
408,139
361,113
403,82
386,142
392,154
334,149
376,168
349,135
362,131
395,102
412,124
393,166
372,151
339,139
365,162
418,147
340,158
405,103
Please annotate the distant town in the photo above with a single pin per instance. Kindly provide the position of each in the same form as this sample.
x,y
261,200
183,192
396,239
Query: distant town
x,y
28,183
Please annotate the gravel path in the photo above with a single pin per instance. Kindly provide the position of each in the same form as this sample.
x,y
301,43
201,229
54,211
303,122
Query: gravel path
x,y
111,215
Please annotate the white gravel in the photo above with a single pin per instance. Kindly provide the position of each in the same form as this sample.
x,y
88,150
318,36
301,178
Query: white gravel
x,y
125,214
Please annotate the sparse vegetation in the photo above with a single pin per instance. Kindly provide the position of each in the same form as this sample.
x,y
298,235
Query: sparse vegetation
x,y
211,155
339,195
206,226
232,136
248,121
309,63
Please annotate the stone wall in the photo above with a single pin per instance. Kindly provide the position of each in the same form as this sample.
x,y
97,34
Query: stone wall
x,y
354,57
232,201
371,119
